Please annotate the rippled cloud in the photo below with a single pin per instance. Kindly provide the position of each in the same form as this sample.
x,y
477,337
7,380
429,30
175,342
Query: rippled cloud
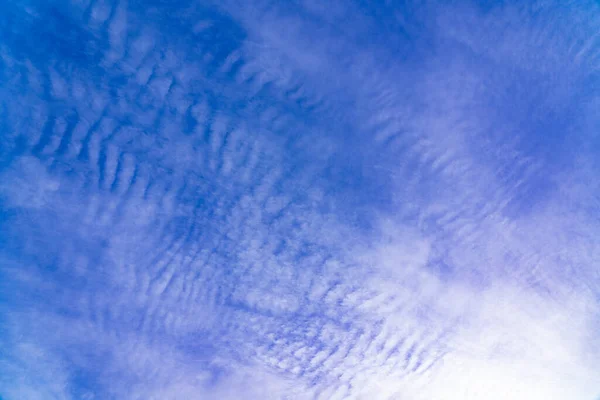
x,y
299,200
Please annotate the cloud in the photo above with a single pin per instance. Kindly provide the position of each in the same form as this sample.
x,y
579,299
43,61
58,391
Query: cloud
x,y
217,201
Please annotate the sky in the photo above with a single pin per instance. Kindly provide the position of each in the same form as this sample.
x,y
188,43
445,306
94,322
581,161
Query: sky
x,y
299,199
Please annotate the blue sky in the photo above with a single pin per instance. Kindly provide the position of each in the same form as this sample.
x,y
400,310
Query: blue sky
x,y
299,200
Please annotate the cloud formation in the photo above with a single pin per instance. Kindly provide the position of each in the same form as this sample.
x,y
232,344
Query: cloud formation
x,y
211,200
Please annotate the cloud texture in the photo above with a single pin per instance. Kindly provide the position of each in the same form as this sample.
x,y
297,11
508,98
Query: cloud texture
x,y
299,200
